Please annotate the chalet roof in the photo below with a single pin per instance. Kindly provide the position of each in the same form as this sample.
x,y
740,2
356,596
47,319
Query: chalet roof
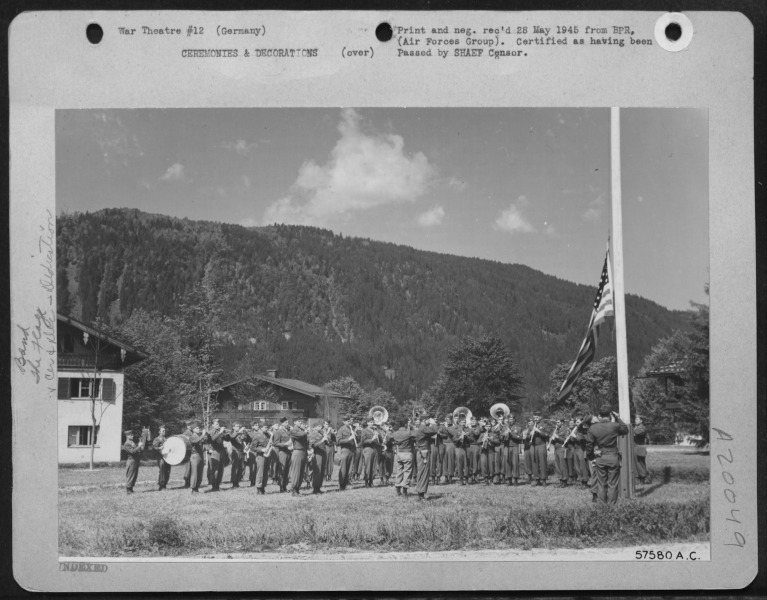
x,y
296,385
672,369
132,355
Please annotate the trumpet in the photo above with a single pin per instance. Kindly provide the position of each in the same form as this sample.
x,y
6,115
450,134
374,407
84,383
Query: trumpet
x,y
269,446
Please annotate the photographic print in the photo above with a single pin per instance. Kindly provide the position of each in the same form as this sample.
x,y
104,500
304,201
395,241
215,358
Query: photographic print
x,y
365,329
389,298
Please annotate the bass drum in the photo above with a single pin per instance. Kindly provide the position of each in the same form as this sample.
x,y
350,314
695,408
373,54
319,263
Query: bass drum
x,y
177,450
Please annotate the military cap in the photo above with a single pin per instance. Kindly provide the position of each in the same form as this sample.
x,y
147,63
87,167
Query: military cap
x,y
605,409
283,419
129,432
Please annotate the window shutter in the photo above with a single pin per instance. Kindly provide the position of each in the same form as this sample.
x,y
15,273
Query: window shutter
x,y
108,390
64,389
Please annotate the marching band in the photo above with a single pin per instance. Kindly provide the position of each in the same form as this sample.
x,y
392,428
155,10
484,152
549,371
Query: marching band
x,y
457,448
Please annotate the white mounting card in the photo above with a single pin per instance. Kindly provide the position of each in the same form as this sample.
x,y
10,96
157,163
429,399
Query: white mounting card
x,y
481,134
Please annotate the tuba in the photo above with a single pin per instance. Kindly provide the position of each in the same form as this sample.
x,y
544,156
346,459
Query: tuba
x,y
497,408
462,411
379,415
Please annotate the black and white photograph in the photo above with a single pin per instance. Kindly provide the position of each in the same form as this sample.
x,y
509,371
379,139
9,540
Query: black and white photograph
x,y
409,301
379,330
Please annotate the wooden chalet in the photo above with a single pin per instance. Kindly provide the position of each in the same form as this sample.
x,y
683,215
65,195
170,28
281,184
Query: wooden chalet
x,y
271,397
91,368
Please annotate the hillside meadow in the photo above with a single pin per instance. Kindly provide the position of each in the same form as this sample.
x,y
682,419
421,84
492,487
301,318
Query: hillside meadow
x,y
98,519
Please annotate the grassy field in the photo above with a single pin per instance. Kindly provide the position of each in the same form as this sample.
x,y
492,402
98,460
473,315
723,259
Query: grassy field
x,y
97,517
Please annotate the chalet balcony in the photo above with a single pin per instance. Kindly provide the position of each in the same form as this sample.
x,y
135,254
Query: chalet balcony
x,y
246,417
87,362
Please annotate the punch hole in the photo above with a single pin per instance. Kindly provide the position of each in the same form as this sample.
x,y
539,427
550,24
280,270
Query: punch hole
x,y
673,32
94,33
384,32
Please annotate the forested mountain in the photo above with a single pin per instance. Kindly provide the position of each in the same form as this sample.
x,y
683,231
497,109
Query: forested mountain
x,y
381,313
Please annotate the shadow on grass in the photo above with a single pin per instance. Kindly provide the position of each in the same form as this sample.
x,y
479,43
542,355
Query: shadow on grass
x,y
666,478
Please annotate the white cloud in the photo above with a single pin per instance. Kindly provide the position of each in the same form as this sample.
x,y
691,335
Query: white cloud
x,y
249,222
364,170
431,217
174,173
595,209
116,142
512,220
457,184
241,147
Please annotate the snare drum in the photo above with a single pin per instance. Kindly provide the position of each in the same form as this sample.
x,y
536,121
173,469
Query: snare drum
x,y
177,450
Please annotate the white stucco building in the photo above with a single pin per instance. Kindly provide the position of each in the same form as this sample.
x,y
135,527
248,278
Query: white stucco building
x,y
91,369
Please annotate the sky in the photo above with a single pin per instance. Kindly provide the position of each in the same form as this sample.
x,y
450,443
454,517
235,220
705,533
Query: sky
x,y
515,185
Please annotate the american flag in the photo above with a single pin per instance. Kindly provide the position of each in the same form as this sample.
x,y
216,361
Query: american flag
x,y
603,308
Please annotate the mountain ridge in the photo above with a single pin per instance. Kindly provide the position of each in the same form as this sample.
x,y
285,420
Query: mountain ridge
x,y
353,306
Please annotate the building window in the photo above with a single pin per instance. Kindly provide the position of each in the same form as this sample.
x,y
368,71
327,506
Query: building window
x,y
75,388
259,405
288,406
83,388
80,435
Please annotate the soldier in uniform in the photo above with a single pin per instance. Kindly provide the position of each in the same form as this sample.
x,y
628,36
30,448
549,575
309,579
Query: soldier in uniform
x,y
368,441
188,468
403,440
345,441
258,462
217,435
558,437
424,438
133,459
437,455
515,442
359,458
570,444
487,446
473,436
497,457
458,435
298,457
196,464
640,449
448,449
281,441
239,438
388,454
413,425
605,434
540,452
527,450
317,439
330,451
582,465
163,467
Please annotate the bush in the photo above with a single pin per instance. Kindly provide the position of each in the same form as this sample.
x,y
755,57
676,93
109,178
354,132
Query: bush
x,y
630,522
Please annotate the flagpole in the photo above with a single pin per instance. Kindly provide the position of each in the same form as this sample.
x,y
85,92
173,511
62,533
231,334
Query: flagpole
x,y
624,408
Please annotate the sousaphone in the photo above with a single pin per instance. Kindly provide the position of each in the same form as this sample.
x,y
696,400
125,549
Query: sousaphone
x,y
499,410
379,415
461,411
